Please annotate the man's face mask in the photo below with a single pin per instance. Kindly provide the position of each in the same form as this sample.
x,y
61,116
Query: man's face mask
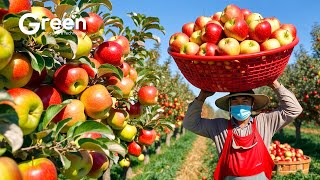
x,y
240,112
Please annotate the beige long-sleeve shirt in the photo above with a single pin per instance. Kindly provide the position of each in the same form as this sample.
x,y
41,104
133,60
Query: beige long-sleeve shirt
x,y
267,123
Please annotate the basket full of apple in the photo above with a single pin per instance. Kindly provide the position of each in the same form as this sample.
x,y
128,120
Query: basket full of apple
x,y
288,159
233,50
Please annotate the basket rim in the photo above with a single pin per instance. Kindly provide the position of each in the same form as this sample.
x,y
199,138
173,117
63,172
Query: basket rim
x,y
236,57
293,162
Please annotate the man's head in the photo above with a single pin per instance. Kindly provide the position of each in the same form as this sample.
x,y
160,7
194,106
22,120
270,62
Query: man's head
x,y
247,98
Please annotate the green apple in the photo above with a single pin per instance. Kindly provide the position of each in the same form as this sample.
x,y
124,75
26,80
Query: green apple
x,y
81,165
117,119
6,47
141,157
9,169
125,162
28,106
41,168
17,73
84,46
127,133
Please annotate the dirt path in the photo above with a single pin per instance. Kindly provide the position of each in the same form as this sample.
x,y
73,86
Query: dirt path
x,y
306,130
190,169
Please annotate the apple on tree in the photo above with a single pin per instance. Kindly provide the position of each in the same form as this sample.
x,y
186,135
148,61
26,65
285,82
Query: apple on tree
x,y
109,52
6,47
16,6
125,68
91,72
17,73
100,163
134,149
135,110
117,119
9,169
97,101
124,163
147,137
28,106
81,164
94,23
122,41
125,84
71,79
41,168
128,133
133,75
48,95
148,95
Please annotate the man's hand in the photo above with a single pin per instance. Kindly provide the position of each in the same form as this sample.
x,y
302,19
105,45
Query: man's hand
x,y
203,95
275,84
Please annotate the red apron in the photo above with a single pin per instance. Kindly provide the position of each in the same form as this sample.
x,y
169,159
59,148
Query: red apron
x,y
253,158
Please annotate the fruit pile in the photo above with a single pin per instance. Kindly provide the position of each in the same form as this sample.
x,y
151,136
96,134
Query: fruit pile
x,y
284,152
233,31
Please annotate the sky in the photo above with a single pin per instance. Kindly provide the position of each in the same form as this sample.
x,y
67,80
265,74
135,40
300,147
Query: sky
x,y
174,13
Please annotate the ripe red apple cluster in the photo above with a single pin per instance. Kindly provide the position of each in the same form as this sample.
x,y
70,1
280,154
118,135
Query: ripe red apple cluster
x,y
233,31
284,152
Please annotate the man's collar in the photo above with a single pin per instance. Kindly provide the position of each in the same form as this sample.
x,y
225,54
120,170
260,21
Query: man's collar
x,y
235,124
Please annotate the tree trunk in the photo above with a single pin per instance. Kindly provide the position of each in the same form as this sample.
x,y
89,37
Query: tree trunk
x,y
107,173
146,155
183,130
158,147
129,173
297,124
176,133
168,138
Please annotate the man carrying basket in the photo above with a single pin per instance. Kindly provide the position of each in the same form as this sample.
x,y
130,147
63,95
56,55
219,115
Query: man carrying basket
x,y
242,142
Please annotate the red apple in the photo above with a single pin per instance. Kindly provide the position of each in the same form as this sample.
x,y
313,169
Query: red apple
x,y
230,12
94,23
253,17
41,168
274,22
299,151
71,79
9,169
188,28
125,84
177,40
228,46
147,137
291,28
37,79
125,67
17,73
123,41
15,7
236,28
28,106
109,52
196,37
48,95
216,16
259,30
201,22
73,110
276,142
148,95
288,159
97,101
190,48
208,49
246,13
269,44
100,163
134,149
249,46
283,36
211,33
135,110
274,152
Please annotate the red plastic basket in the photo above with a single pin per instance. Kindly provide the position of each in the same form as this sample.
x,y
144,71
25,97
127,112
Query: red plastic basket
x,y
234,73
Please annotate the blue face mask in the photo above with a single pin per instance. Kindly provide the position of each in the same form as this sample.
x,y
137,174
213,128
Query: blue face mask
x,y
240,112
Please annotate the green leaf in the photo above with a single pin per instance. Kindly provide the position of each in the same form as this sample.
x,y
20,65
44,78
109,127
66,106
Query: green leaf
x,y
4,4
69,2
66,163
87,61
37,62
13,134
93,3
93,126
167,124
115,91
108,68
72,129
49,61
52,111
114,146
71,40
93,145
8,114
60,126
